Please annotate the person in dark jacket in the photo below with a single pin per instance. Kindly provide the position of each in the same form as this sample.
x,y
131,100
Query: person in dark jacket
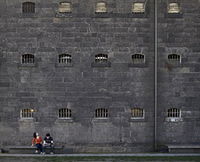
x,y
48,143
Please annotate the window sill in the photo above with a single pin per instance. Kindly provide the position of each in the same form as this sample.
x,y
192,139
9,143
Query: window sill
x,y
174,65
138,14
142,65
63,15
64,65
137,119
101,64
26,120
100,120
28,15
27,65
64,120
174,119
174,15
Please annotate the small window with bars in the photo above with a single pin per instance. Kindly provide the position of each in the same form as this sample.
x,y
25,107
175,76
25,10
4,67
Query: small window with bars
x,y
65,59
65,7
101,113
173,113
27,113
100,58
174,59
138,59
138,7
28,7
65,113
101,7
137,113
174,8
28,59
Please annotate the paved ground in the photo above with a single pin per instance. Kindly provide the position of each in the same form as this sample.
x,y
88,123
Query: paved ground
x,y
146,157
103,155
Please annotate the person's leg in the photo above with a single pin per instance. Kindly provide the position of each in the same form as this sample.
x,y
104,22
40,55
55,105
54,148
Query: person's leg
x,y
52,149
44,149
37,148
41,148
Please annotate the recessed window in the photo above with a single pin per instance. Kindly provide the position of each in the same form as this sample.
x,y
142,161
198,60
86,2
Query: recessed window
x,y
173,113
174,58
28,59
27,113
138,59
65,7
138,8
137,113
101,113
28,7
101,58
65,59
173,8
65,113
101,7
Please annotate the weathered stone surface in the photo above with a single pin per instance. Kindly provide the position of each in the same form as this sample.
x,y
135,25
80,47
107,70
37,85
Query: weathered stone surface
x,y
81,87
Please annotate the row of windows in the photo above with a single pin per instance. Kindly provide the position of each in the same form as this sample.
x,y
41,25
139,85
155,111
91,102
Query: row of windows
x,y
136,113
100,58
101,7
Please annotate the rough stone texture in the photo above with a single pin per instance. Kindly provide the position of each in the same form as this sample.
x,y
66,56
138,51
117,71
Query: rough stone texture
x,y
83,87
178,86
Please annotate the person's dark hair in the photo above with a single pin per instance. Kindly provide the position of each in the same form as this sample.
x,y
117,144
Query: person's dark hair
x,y
34,135
48,134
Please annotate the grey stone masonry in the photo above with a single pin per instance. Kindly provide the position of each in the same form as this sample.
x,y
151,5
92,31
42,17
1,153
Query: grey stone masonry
x,y
45,86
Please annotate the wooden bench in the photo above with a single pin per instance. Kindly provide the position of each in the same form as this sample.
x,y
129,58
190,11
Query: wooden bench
x,y
31,150
183,148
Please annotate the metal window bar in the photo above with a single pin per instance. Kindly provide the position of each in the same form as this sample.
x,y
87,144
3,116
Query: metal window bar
x,y
138,59
28,7
64,7
174,58
101,113
138,7
173,8
101,7
27,59
101,58
26,113
137,112
65,59
173,113
65,113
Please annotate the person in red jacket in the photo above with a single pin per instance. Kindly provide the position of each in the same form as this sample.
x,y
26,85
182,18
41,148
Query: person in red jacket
x,y
37,141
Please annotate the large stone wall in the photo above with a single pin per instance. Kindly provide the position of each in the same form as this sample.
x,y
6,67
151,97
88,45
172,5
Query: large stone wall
x,y
178,86
82,87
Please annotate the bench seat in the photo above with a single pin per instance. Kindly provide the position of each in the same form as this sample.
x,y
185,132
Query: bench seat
x,y
31,150
184,148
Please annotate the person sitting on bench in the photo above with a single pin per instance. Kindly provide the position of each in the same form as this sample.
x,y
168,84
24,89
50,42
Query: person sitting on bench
x,y
37,141
48,143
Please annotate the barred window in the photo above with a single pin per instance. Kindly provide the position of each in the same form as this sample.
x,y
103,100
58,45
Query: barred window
x,y
28,59
173,8
174,58
28,7
65,7
173,113
101,113
65,113
101,58
65,59
101,7
137,113
138,59
27,113
138,8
